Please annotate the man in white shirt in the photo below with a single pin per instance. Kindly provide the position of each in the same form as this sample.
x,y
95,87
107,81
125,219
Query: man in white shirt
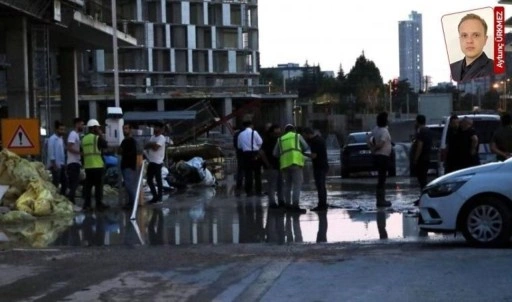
x,y
155,155
56,160
249,142
74,160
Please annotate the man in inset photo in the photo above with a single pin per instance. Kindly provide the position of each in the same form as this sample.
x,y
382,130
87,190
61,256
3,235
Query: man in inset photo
x,y
472,38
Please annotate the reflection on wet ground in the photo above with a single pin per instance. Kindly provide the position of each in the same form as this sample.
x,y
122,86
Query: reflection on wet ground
x,y
215,216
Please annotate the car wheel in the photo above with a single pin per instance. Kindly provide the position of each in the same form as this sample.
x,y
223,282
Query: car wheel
x,y
487,222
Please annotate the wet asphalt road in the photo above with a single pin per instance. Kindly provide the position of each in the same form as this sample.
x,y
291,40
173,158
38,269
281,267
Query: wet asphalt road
x,y
208,245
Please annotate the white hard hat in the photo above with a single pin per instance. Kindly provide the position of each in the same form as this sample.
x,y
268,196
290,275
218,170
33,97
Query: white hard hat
x,y
93,123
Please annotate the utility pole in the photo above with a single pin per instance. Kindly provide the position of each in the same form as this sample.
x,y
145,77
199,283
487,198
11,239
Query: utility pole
x,y
114,51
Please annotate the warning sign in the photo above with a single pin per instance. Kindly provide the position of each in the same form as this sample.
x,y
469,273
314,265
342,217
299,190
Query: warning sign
x,y
20,139
21,136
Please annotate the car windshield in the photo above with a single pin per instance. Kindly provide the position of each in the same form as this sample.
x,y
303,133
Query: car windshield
x,y
355,138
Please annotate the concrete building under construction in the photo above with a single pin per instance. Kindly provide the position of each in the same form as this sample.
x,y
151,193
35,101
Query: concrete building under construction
x,y
172,54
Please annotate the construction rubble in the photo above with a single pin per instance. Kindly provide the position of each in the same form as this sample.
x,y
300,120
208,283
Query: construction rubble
x,y
28,190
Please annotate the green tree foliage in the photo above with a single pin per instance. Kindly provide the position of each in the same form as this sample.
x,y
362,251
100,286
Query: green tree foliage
x,y
365,83
405,97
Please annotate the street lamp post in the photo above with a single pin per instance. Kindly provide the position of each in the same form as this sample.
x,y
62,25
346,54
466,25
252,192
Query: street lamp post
x,y
503,98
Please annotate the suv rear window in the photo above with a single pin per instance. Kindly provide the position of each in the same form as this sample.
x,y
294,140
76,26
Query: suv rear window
x,y
356,138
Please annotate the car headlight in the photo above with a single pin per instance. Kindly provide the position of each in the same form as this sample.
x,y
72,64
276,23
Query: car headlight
x,y
446,188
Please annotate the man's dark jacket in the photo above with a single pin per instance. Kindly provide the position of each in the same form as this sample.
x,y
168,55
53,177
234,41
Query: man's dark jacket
x,y
481,67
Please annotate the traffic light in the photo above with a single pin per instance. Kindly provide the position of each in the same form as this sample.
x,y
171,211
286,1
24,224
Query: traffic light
x,y
394,87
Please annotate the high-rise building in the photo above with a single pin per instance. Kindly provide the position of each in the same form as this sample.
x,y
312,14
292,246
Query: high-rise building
x,y
410,43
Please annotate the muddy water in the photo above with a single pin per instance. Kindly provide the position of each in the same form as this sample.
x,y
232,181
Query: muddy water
x,y
216,216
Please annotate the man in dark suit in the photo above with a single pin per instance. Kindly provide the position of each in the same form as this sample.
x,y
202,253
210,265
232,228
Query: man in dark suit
x,y
472,38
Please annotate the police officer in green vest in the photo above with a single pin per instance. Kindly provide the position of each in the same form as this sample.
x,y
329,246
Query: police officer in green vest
x,y
93,144
291,149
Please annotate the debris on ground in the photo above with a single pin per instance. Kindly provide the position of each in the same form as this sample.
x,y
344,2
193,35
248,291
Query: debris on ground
x,y
30,188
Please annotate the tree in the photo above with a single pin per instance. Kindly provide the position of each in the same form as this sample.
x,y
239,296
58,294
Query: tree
x,y
365,83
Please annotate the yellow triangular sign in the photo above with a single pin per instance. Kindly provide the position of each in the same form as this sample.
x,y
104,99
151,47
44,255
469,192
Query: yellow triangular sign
x,y
20,139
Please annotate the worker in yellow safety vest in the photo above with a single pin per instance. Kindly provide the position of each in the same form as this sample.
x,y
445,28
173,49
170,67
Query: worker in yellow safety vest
x,y
291,149
93,143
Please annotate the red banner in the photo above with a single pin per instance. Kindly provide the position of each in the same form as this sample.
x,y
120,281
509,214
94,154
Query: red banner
x,y
499,39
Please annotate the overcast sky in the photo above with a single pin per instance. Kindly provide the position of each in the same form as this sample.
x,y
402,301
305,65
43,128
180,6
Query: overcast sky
x,y
334,32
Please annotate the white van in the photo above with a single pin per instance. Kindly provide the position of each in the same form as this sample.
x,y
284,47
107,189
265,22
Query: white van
x,y
484,125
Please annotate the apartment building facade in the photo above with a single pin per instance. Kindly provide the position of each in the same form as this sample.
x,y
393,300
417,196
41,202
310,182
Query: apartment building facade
x,y
187,51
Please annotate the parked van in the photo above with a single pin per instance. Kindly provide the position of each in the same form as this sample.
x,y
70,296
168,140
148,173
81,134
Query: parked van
x,y
484,125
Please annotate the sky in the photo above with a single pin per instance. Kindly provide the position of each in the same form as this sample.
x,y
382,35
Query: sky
x,y
334,32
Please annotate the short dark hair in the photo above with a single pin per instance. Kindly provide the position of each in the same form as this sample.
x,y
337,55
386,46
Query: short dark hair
x,y
474,17
77,120
382,119
506,119
246,124
57,124
289,127
158,124
454,117
128,125
421,119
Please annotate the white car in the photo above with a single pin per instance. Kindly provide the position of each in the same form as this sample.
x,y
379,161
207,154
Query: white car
x,y
476,201
484,125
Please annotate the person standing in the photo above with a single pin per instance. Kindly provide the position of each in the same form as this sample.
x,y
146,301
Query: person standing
x,y
422,147
271,165
468,145
93,144
501,142
129,153
156,155
239,164
380,145
249,141
452,135
291,149
320,166
56,159
74,158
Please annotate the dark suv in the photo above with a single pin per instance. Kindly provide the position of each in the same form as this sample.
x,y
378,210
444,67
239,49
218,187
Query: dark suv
x,y
357,157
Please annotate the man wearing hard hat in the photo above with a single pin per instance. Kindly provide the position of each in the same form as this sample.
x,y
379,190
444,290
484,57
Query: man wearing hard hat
x,y
92,145
291,149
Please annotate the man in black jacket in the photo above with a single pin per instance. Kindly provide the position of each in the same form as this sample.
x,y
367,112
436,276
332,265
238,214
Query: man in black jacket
x,y
320,166
272,170
473,37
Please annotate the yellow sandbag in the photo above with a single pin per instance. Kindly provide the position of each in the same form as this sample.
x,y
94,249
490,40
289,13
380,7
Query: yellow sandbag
x,y
16,171
41,170
62,206
10,197
36,200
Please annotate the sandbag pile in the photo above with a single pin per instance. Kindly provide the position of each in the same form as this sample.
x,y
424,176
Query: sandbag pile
x,y
30,189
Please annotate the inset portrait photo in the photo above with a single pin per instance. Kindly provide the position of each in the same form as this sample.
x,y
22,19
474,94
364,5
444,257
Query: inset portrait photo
x,y
469,37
